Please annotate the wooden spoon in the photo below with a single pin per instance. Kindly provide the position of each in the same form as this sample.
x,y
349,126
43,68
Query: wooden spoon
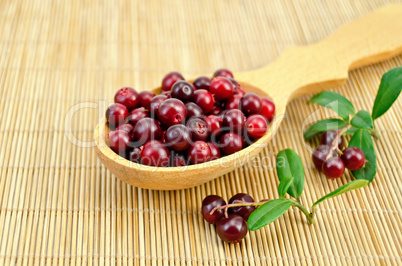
x,y
300,70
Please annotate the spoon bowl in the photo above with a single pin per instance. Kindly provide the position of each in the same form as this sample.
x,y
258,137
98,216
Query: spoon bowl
x,y
300,70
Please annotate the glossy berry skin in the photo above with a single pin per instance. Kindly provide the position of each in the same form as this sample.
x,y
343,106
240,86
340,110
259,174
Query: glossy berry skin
x,y
215,152
128,128
204,99
221,88
353,158
193,110
119,141
155,153
256,126
223,72
243,211
328,137
199,152
182,90
198,128
250,104
320,154
333,167
178,160
172,112
134,155
232,229
234,120
137,114
214,123
116,114
267,109
216,110
155,103
208,204
145,130
170,79
178,137
202,83
230,143
145,98
239,91
233,103
127,97
167,94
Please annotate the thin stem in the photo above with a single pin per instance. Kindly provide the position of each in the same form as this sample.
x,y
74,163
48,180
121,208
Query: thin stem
x,y
238,204
375,133
304,210
334,145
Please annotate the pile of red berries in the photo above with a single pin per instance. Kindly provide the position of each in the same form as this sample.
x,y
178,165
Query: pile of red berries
x,y
231,226
332,165
187,123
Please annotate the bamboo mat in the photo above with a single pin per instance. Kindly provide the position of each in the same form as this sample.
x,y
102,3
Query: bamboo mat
x,y
60,65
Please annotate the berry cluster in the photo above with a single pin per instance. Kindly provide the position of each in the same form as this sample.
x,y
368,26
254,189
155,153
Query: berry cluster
x,y
231,219
326,155
189,123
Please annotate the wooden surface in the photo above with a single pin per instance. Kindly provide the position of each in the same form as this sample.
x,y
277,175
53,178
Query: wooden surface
x,y
60,65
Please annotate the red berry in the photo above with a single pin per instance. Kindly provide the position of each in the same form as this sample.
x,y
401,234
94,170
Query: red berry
x,y
215,152
208,204
134,155
230,143
204,99
193,110
243,211
168,94
202,83
232,229
178,137
214,124
320,156
119,141
223,72
127,97
216,110
145,98
233,102
170,79
256,126
328,137
145,130
199,152
221,88
172,112
333,167
154,153
198,128
116,114
137,114
234,119
353,158
250,104
183,90
126,127
268,108
155,103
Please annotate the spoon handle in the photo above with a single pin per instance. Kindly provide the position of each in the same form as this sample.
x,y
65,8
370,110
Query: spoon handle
x,y
372,38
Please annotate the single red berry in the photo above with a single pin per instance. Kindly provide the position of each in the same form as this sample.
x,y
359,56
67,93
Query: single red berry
x,y
221,88
267,109
256,126
243,211
128,128
214,124
233,103
172,112
155,103
145,130
230,143
215,152
216,110
208,204
320,156
119,141
333,167
154,153
170,79
202,83
232,229
183,90
116,114
250,104
198,128
145,98
199,152
127,97
328,137
223,72
234,120
137,114
193,110
178,137
353,158
204,99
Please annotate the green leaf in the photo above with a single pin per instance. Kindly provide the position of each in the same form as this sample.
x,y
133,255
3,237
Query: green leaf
x,y
388,92
362,120
362,140
284,186
355,184
288,163
267,213
342,106
351,130
322,126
